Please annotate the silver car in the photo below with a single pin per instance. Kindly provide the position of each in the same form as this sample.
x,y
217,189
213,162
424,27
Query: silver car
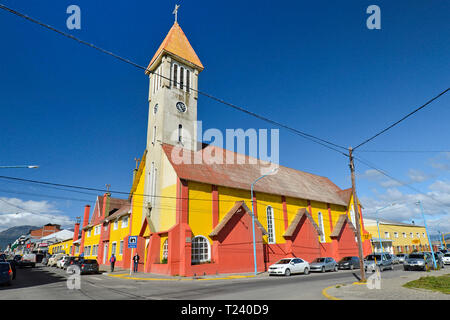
x,y
401,257
383,261
324,264
418,261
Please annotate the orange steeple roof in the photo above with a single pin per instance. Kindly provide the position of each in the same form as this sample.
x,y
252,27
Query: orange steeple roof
x,y
177,43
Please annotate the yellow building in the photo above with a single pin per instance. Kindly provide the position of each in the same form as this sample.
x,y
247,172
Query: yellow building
x,y
397,237
61,247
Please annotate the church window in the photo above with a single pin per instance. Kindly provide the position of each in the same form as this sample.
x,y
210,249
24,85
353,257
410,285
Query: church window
x,y
165,253
181,78
200,250
321,228
270,224
188,80
180,133
154,135
175,75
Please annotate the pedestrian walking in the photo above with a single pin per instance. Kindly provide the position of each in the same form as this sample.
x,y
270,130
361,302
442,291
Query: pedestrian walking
x,y
136,262
112,260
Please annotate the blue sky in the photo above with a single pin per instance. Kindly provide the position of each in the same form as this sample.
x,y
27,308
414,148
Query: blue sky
x,y
82,115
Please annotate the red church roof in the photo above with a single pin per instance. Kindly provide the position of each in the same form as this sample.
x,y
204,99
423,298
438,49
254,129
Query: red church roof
x,y
287,182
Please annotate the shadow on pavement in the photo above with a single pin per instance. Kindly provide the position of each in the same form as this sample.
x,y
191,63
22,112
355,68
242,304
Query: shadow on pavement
x,y
30,277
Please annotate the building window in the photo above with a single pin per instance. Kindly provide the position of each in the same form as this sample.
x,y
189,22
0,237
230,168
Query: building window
x,y
89,233
396,234
113,248
97,230
188,80
423,234
418,235
180,133
125,222
175,76
406,248
387,235
165,251
411,235
94,249
116,225
121,247
321,228
200,250
270,225
77,249
181,78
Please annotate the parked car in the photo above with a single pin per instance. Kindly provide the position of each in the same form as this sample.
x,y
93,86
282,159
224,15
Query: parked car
x,y
383,261
27,260
86,265
324,264
44,261
6,274
446,258
401,257
70,261
54,258
288,266
395,259
60,262
418,261
439,257
350,262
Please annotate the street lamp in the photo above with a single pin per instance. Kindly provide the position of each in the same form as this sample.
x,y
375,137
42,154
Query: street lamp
x,y
428,235
378,225
253,214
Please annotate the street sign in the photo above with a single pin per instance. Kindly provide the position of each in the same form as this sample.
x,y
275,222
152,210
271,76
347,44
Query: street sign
x,y
366,236
132,242
416,241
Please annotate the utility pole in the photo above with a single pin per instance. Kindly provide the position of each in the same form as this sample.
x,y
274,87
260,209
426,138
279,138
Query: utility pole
x,y
356,208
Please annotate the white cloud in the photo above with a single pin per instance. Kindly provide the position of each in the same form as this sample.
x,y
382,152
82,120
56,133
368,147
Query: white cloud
x,y
17,212
417,175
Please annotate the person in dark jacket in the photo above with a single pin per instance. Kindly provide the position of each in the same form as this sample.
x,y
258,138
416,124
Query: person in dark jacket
x,y
136,262
112,260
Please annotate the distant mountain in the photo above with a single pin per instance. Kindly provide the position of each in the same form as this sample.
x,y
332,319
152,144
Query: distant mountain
x,y
10,235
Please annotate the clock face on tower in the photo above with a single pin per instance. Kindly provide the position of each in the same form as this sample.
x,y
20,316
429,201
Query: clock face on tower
x,y
181,107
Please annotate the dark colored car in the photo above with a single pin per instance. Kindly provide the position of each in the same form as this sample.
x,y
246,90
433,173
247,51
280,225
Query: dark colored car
x,y
87,265
349,263
6,274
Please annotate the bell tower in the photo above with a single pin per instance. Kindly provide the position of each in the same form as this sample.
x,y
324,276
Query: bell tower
x,y
172,118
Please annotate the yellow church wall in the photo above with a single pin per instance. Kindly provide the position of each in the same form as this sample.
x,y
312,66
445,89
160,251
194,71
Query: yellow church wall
x,y
265,200
228,197
167,203
200,209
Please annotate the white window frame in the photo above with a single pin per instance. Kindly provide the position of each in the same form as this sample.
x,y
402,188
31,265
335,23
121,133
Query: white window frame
x,y
271,239
124,222
321,226
89,232
202,258
114,246
116,224
165,251
121,247
395,234
387,235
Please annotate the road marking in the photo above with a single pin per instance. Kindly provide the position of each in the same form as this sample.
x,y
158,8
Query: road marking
x,y
124,276
324,292
95,278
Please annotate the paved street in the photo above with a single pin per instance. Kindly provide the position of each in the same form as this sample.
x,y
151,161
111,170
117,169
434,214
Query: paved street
x,y
51,283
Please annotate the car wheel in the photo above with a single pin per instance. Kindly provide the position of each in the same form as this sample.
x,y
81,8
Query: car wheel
x,y
351,267
335,268
323,269
306,271
287,273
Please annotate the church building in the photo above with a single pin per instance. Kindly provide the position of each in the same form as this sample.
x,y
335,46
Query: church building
x,y
196,217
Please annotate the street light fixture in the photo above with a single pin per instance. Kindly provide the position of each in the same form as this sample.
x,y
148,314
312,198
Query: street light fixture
x,y
253,214
21,167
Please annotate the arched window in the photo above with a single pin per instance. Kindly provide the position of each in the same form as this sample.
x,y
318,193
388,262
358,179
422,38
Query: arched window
x,y
188,80
321,228
200,251
270,224
165,252
175,75
181,78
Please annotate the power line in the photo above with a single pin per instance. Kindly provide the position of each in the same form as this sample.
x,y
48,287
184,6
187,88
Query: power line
x,y
325,143
402,119
405,151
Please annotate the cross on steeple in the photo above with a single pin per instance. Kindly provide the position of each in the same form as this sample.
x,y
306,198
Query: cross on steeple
x,y
107,187
175,12
137,162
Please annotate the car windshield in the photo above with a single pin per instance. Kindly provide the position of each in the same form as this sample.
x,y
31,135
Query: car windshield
x,y
416,256
372,257
346,259
90,261
284,261
320,260
447,255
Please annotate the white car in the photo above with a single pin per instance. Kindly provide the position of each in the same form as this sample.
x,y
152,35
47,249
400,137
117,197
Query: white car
x,y
446,258
60,261
288,266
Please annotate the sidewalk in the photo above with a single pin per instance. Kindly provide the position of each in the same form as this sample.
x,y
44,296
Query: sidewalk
x,y
391,289
125,274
